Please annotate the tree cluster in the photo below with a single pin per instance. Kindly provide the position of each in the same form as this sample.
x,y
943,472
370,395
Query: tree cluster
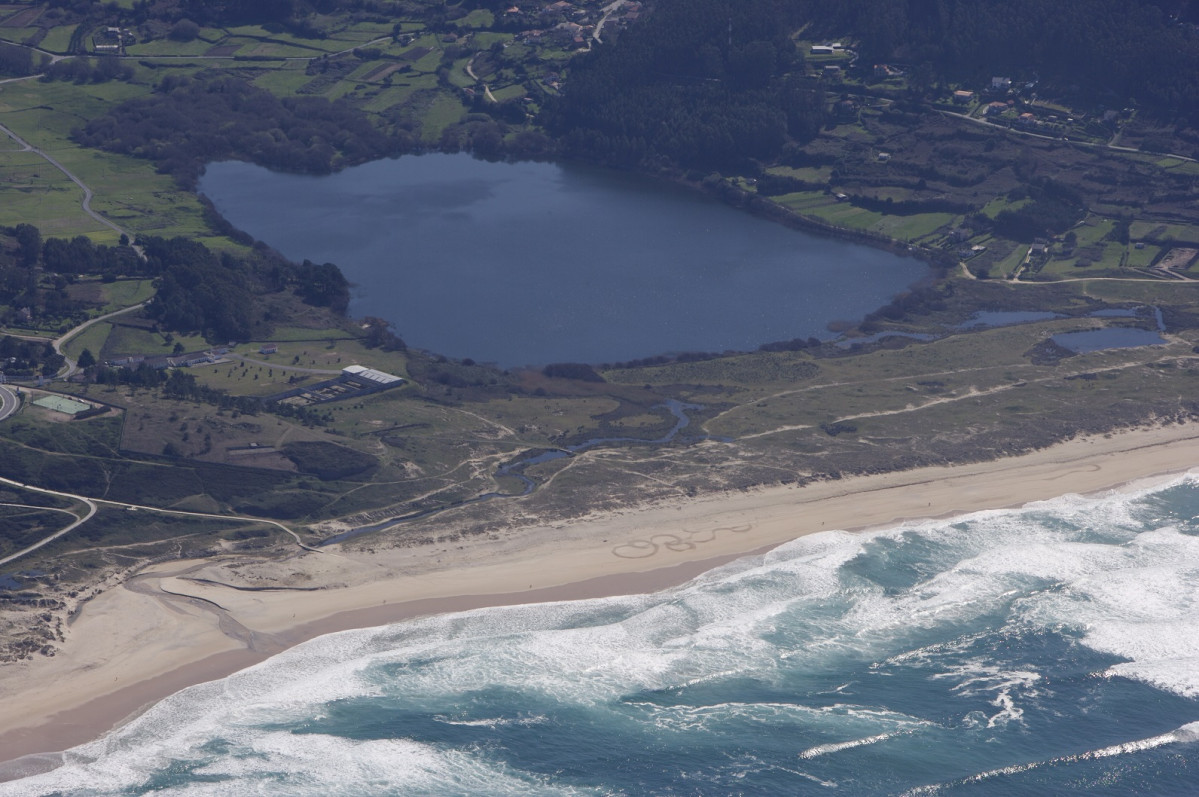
x,y
329,461
380,335
30,298
80,255
323,286
1053,210
201,291
16,61
697,84
88,70
27,357
186,123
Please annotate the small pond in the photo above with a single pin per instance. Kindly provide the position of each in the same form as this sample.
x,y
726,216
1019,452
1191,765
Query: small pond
x,y
1006,318
1109,338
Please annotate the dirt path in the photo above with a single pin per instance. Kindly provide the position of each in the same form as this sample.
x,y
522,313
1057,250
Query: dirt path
x,y
470,72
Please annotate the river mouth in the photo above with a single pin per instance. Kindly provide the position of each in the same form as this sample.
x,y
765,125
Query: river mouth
x,y
532,263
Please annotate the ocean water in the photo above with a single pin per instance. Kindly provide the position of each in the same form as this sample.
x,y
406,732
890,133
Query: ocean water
x,y
1047,650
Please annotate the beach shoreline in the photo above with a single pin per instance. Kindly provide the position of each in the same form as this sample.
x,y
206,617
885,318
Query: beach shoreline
x,y
182,623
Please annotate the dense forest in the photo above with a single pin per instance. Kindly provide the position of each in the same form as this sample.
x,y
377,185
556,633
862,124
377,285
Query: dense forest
x,y
695,85
187,123
201,291
1113,51
710,84
702,84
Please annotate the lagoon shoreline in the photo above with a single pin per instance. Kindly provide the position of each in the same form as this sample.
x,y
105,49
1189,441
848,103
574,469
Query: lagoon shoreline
x,y
181,623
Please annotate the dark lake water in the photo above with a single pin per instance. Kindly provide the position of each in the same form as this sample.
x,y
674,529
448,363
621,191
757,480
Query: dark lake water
x,y
532,263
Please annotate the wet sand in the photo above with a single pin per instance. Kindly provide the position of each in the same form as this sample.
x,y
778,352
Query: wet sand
x,y
181,623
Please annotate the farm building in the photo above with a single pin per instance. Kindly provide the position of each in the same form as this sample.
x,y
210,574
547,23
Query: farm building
x,y
355,381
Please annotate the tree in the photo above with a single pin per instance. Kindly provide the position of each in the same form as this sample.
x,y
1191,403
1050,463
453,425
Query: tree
x,y
379,335
324,286
29,238
184,30
16,61
86,359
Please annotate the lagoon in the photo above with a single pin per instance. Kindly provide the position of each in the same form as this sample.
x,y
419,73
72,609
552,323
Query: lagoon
x,y
533,263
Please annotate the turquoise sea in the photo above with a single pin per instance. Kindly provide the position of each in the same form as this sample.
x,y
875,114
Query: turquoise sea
x,y
1046,650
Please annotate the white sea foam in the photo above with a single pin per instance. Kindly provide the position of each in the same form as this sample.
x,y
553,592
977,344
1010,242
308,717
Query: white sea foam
x,y
840,718
837,747
301,764
1104,571
1187,734
495,722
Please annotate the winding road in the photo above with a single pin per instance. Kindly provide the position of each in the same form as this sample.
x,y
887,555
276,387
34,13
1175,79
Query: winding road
x,y
87,192
607,11
79,521
8,402
93,506
62,339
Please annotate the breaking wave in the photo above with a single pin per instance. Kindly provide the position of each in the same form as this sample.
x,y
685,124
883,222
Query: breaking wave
x,y
1049,648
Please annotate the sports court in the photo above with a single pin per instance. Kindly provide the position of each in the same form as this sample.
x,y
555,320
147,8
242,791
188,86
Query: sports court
x,y
60,404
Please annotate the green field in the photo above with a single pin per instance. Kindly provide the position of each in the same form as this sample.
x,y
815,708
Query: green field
x,y
1142,258
32,191
902,228
442,112
1160,232
93,339
1000,204
128,191
1007,266
124,293
58,39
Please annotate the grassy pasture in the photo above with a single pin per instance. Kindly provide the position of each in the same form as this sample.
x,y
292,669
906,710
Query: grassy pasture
x,y
58,39
93,339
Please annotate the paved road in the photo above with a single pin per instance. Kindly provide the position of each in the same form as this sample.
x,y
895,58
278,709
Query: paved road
x,y
61,341
87,192
8,402
56,57
92,508
608,10
79,520
1092,144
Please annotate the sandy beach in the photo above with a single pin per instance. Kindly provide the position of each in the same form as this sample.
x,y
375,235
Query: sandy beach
x,y
184,622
